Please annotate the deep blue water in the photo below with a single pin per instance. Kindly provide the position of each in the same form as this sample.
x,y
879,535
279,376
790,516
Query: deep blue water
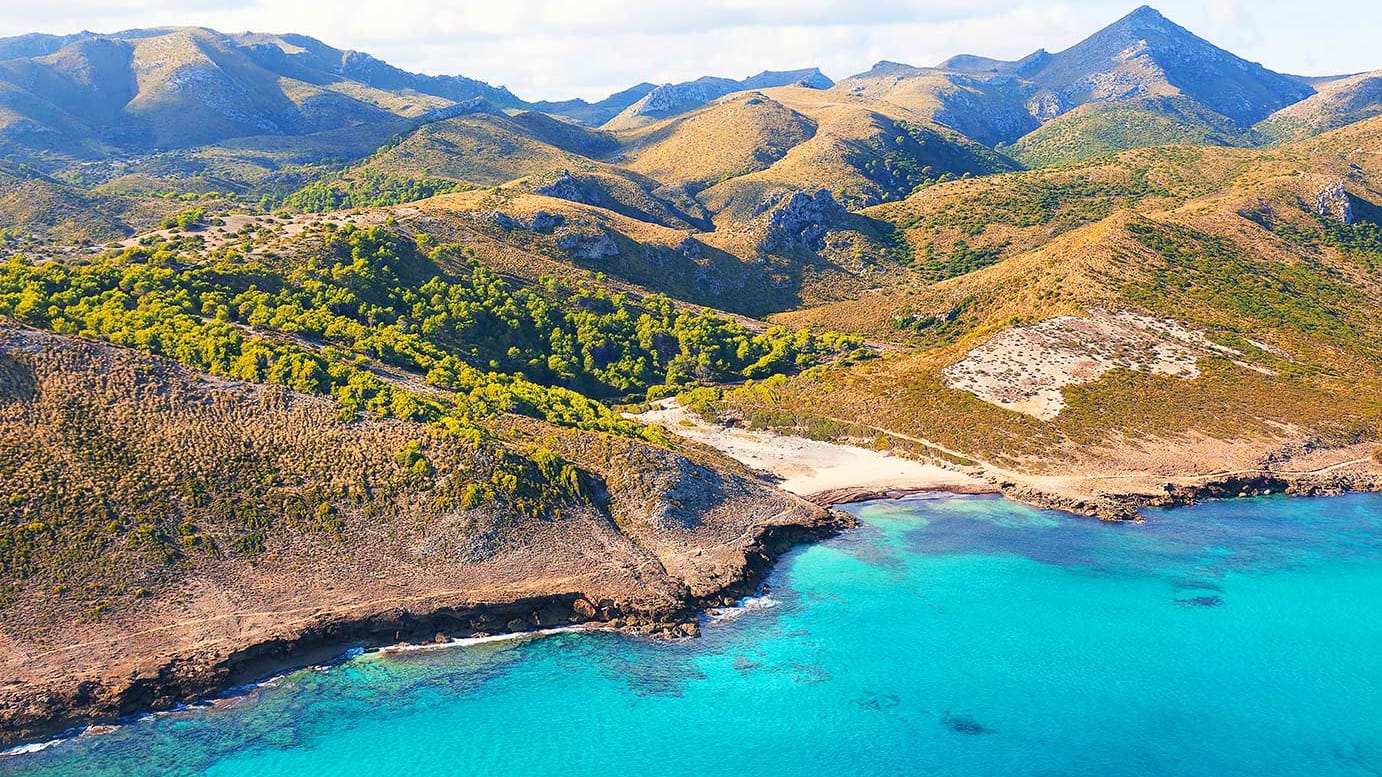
x,y
947,636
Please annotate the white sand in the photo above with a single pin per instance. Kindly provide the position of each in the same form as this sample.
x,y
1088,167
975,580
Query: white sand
x,y
805,466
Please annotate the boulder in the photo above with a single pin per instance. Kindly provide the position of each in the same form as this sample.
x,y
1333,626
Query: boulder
x,y
583,608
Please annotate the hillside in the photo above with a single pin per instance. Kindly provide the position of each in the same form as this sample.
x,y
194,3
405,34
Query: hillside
x,y
39,208
286,525
1220,311
989,110
1094,129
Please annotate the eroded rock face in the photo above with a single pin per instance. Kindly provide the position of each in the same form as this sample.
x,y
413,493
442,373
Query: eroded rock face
x,y
569,187
1333,202
801,222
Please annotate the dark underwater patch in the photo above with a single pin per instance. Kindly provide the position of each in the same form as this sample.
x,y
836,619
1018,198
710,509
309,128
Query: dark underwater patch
x,y
745,665
1201,601
964,724
871,700
1197,585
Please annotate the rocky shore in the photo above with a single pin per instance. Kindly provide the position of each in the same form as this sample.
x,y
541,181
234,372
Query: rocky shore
x,y
1125,505
199,676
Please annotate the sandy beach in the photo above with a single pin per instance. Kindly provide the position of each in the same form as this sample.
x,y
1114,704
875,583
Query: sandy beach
x,y
810,467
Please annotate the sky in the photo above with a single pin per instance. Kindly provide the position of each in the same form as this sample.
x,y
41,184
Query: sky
x,y
555,49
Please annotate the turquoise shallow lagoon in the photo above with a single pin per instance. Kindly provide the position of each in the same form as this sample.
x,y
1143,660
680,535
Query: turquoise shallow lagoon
x,y
947,636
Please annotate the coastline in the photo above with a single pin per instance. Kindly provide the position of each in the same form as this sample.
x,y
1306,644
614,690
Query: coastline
x,y
828,473
190,682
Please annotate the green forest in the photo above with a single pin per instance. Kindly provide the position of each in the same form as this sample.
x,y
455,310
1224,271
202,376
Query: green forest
x,y
370,299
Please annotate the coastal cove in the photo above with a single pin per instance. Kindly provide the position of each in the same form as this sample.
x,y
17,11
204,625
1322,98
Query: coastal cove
x,y
968,635
965,414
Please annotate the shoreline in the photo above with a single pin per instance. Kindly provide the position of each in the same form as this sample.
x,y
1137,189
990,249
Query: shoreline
x,y
332,645
830,473
1126,505
231,695
183,682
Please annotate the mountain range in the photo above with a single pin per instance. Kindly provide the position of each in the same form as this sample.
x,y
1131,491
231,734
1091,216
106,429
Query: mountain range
x,y
89,94
259,116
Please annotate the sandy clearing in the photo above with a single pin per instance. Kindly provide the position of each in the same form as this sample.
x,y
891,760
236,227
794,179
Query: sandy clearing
x,y
807,467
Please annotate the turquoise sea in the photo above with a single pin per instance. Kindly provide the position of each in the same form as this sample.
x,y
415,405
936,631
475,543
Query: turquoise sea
x,y
946,636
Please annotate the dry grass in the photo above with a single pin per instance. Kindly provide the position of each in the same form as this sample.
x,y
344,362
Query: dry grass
x,y
1304,313
734,136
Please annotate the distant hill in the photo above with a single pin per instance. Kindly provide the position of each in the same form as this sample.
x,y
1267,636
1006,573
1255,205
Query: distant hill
x,y
176,88
1336,103
597,113
675,99
1144,54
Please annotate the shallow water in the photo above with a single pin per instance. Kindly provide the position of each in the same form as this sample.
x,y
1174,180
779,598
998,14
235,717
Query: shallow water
x,y
949,636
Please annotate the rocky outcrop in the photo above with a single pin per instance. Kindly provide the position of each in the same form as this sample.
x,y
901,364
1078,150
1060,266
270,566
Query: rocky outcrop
x,y
801,223
468,108
1333,202
542,221
568,187
202,674
581,244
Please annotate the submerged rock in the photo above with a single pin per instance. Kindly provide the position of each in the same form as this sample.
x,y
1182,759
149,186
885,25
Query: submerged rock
x,y
964,724
1200,601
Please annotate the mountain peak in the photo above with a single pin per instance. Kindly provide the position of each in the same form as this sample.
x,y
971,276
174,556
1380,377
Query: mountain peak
x,y
1145,13
1144,54
1143,23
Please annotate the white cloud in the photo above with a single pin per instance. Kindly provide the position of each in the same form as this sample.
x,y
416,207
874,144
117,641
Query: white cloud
x,y
589,48
1222,12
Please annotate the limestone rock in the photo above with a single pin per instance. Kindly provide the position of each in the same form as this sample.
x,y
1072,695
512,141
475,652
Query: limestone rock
x,y
1333,202
801,222
588,246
